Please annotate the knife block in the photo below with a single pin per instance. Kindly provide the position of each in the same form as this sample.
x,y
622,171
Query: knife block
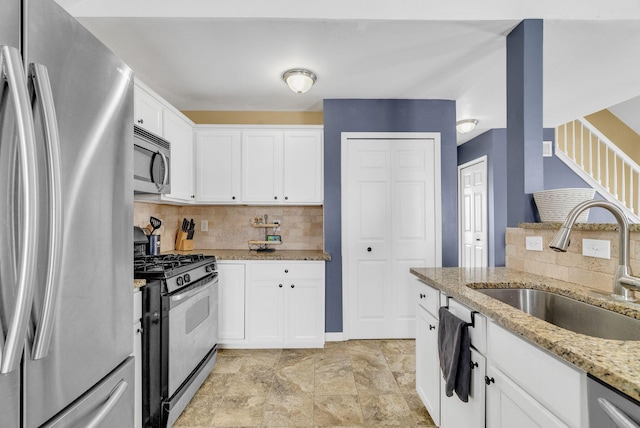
x,y
182,243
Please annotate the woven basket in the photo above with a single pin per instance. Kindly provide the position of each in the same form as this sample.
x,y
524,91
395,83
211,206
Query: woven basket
x,y
554,205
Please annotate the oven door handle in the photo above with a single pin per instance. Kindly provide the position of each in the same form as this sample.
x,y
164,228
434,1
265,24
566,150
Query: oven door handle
x,y
193,291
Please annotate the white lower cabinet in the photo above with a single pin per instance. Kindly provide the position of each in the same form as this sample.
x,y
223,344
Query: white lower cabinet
x,y
269,304
285,304
427,359
137,354
457,414
231,297
529,383
509,406
514,383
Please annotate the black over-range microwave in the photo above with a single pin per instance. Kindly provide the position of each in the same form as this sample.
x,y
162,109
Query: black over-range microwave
x,y
151,162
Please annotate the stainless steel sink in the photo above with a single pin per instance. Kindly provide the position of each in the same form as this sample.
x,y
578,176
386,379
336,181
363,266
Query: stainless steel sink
x,y
568,313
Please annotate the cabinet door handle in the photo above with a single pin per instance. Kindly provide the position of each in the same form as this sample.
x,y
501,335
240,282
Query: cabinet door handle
x,y
473,365
489,380
432,327
140,121
369,249
233,198
280,285
286,271
292,285
286,198
275,197
422,296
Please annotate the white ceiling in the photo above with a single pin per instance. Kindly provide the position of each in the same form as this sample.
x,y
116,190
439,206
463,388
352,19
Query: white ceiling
x,y
205,55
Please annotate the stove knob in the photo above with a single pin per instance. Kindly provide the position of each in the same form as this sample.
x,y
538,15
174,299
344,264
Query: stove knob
x,y
187,278
179,281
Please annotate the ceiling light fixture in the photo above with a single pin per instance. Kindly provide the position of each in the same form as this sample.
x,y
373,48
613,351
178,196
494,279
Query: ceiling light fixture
x,y
466,125
299,80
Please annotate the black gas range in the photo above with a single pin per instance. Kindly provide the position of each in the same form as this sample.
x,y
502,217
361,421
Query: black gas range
x,y
180,331
176,270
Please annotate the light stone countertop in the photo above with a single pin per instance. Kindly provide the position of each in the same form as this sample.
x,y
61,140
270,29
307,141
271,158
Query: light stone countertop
x,y
615,362
137,283
593,227
309,255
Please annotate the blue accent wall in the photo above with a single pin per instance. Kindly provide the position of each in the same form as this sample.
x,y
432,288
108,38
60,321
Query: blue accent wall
x,y
382,115
524,120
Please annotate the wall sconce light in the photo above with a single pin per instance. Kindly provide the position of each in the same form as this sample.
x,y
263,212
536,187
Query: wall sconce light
x,y
299,80
466,125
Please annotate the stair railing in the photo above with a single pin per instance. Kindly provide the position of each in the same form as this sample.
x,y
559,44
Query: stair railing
x,y
601,163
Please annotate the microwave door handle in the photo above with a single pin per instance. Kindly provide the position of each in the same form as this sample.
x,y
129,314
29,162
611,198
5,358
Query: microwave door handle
x,y
43,95
13,72
165,165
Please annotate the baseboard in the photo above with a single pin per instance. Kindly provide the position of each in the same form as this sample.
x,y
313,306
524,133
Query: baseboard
x,y
334,337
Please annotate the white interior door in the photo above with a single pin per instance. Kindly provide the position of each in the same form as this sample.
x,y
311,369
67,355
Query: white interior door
x,y
472,194
391,222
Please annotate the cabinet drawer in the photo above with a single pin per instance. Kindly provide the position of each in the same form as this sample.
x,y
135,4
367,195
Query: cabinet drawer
x,y
477,333
428,298
280,271
550,381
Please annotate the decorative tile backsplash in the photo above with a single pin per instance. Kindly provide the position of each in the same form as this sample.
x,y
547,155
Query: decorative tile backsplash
x,y
230,225
571,266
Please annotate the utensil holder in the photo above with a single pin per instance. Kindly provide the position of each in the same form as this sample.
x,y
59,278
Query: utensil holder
x,y
182,243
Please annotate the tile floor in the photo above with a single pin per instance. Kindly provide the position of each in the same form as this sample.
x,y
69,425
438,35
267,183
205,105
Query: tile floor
x,y
358,383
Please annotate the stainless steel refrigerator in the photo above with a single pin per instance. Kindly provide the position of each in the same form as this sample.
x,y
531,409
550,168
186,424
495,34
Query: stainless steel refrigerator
x,y
66,210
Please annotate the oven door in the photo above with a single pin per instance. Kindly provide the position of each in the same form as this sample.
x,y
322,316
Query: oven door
x,y
193,328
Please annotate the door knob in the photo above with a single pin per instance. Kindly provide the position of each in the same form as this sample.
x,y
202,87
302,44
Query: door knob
x,y
369,249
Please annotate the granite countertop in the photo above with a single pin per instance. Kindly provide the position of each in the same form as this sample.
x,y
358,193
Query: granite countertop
x,y
615,362
310,255
593,227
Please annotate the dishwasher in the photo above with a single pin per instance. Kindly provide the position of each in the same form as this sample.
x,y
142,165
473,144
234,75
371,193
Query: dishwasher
x,y
609,408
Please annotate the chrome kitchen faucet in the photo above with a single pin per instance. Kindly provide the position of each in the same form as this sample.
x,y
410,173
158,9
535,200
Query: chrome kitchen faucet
x,y
623,280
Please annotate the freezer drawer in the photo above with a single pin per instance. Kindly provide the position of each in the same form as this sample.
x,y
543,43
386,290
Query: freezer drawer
x,y
109,404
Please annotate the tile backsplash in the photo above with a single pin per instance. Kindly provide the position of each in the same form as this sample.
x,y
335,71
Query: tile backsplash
x,y
572,266
230,225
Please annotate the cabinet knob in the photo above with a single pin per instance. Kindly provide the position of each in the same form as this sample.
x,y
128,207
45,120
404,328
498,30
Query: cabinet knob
x,y
292,286
140,121
286,271
369,249
280,285
432,327
275,197
489,380
233,197
286,198
422,296
139,331
473,365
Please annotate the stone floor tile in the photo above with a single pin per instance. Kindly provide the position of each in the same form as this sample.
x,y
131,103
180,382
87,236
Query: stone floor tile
x,y
385,409
288,411
239,411
336,410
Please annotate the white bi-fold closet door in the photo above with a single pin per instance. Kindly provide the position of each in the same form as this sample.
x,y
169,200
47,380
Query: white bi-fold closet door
x,y
391,220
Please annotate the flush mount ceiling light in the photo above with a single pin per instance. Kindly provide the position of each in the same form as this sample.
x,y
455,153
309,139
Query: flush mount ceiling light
x,y
466,125
299,80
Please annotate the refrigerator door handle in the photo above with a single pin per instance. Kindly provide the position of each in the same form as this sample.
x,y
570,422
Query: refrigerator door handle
x,y
39,76
107,407
13,72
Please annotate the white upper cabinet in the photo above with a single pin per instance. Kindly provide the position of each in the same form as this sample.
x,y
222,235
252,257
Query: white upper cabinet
x,y
262,166
218,166
303,167
147,111
180,134
282,167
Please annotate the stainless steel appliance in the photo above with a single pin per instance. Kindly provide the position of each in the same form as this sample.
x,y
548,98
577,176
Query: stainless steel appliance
x,y
180,331
66,104
151,162
609,408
